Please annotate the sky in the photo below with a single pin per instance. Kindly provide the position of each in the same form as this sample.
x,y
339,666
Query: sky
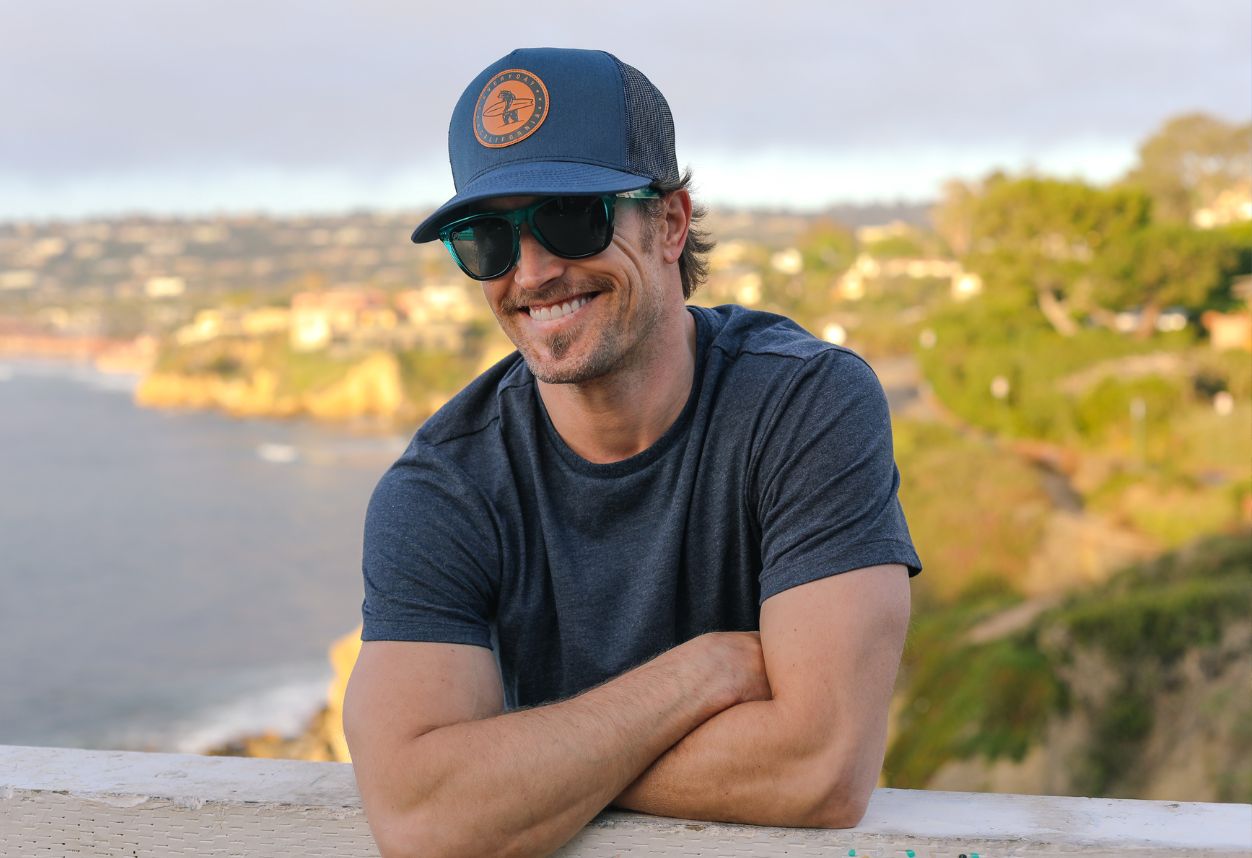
x,y
286,106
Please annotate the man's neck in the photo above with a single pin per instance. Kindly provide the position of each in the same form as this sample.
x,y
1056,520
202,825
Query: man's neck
x,y
624,413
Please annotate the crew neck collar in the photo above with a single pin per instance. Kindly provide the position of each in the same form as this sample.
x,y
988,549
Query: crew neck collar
x,y
659,447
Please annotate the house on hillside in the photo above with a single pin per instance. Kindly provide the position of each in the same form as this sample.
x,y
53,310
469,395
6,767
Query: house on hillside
x,y
210,324
1229,331
263,321
435,316
320,318
436,303
1230,206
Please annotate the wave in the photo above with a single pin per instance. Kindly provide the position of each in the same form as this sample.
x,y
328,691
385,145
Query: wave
x,y
285,711
284,708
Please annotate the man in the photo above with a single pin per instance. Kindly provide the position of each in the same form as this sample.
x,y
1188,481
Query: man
x,y
655,559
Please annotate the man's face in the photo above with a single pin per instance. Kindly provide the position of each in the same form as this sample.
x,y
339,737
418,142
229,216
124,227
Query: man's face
x,y
576,320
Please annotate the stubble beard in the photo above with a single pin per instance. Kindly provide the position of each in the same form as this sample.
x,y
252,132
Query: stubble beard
x,y
610,353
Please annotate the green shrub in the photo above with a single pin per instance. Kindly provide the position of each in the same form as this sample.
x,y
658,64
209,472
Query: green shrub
x,y
984,542
1154,612
1106,408
994,700
991,701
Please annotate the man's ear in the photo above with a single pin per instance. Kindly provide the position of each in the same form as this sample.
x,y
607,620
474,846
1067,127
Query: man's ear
x,y
676,221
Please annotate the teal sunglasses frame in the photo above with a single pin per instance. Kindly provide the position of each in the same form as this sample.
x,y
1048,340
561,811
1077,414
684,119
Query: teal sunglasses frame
x,y
526,215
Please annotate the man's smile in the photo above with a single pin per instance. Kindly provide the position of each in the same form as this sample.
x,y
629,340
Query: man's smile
x,y
556,311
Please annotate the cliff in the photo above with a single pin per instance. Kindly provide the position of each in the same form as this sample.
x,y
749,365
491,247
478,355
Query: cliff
x,y
371,387
266,378
1135,688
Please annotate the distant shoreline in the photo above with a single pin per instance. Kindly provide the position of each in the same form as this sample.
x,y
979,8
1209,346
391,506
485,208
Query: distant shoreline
x,y
108,355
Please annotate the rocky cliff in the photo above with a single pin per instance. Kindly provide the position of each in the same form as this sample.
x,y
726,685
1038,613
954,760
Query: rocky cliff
x,y
1136,688
369,388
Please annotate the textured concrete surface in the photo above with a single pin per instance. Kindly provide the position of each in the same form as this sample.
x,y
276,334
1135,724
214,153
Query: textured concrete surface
x,y
115,803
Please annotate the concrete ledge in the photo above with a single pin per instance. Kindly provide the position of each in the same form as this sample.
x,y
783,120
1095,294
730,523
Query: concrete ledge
x,y
57,801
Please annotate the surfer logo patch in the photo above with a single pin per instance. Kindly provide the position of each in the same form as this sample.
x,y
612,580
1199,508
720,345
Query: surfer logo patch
x,y
510,108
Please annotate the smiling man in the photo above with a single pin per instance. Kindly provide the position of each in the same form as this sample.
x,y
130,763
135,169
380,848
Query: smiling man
x,y
653,559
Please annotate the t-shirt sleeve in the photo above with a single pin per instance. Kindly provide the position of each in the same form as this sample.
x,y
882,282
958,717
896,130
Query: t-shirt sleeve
x,y
827,481
430,557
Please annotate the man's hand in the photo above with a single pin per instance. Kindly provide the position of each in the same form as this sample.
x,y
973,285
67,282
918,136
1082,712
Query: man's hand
x,y
743,663
441,772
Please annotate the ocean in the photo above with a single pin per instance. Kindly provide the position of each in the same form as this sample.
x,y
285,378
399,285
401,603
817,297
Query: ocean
x,y
168,580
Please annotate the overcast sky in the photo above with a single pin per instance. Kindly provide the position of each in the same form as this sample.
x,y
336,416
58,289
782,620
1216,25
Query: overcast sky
x,y
188,106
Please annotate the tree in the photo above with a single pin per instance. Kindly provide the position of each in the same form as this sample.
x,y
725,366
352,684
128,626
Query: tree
x,y
953,216
1043,234
1189,161
828,247
1159,266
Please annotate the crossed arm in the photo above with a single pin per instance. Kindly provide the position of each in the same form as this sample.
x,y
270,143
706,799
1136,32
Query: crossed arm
x,y
785,729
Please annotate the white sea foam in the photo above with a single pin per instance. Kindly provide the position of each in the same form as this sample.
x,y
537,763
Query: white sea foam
x,y
281,706
279,454
111,382
284,710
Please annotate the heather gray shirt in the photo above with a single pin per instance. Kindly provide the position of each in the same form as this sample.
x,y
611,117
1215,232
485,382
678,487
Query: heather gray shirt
x,y
491,531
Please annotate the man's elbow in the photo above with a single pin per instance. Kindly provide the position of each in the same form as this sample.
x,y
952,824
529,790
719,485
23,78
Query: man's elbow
x,y
419,834
838,797
840,812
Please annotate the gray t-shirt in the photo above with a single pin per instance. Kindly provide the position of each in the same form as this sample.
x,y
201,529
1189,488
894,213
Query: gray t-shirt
x,y
491,531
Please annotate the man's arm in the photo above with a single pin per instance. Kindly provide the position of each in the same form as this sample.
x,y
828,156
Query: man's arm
x,y
441,772
812,755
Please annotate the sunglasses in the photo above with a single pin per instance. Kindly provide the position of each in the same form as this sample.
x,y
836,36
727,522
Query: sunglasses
x,y
488,244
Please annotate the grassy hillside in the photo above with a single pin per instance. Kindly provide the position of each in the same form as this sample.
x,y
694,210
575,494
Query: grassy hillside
x,y
1115,669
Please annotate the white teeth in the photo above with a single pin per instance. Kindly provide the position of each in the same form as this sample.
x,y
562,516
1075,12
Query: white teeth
x,y
557,311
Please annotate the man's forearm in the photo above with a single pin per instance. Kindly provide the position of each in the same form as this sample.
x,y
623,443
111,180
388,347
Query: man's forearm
x,y
746,765
525,782
812,752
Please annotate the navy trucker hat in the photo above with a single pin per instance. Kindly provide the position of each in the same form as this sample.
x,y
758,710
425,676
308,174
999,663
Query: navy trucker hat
x,y
544,121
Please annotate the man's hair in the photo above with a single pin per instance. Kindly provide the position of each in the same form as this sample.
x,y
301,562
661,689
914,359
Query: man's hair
x,y
693,264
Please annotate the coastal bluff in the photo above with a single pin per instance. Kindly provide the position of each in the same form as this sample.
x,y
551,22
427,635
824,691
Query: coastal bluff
x,y
370,388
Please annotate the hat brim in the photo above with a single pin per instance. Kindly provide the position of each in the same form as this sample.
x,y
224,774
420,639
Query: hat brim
x,y
532,178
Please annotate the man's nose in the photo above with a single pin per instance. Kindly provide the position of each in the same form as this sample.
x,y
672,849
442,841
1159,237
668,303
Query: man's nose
x,y
536,265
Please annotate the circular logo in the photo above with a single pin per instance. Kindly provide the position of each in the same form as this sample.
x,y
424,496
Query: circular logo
x,y
511,107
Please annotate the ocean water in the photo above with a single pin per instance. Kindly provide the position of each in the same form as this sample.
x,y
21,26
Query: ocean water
x,y
168,580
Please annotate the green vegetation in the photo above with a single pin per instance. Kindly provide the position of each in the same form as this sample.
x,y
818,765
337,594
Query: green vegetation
x,y
983,542
1004,337
1156,611
906,246
994,700
297,372
1144,620
1162,265
301,372
962,701
426,373
1172,509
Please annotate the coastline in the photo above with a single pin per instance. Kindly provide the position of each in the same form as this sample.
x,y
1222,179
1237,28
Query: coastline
x,y
321,737
106,355
370,391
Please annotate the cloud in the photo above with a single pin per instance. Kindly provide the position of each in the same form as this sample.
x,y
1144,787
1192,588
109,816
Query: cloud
x,y
145,88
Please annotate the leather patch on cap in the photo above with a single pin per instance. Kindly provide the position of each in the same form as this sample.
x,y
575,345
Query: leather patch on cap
x,y
510,108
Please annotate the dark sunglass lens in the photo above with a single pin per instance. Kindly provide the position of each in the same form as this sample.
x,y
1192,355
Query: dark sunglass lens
x,y
573,226
484,246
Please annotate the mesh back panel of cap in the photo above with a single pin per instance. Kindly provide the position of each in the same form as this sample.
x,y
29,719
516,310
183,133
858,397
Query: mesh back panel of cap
x,y
650,147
